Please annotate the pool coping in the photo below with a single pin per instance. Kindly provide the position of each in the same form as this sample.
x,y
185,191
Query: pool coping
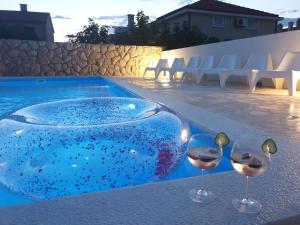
x,y
167,202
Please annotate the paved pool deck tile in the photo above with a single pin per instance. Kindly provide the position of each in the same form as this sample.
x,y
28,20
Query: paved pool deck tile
x,y
269,110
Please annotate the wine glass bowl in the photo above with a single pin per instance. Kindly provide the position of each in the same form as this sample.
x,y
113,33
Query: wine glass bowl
x,y
204,157
251,162
203,153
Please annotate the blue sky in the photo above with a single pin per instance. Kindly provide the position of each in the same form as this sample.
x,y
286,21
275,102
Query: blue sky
x,y
70,15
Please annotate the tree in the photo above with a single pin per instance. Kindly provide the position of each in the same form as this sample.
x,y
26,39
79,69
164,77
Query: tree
x,y
210,40
142,20
141,32
170,36
103,33
91,33
182,35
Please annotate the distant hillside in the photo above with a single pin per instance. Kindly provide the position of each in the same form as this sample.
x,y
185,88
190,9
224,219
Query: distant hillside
x,y
285,21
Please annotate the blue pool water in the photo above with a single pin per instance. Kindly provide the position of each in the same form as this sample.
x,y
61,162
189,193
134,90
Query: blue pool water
x,y
68,136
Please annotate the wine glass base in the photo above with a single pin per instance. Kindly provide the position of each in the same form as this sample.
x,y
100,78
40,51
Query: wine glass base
x,y
202,196
247,205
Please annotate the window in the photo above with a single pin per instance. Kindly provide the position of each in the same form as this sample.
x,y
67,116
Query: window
x,y
251,24
218,21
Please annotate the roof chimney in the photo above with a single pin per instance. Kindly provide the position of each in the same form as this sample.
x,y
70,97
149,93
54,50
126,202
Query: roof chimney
x,y
23,7
130,21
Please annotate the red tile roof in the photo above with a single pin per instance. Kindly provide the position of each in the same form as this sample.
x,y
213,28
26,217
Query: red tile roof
x,y
222,7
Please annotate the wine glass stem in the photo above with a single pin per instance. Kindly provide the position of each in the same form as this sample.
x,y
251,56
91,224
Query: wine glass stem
x,y
247,186
202,173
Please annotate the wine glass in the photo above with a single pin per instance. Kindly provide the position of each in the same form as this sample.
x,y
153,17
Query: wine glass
x,y
251,162
204,153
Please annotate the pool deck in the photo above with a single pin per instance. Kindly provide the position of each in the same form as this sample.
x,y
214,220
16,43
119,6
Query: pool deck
x,y
248,118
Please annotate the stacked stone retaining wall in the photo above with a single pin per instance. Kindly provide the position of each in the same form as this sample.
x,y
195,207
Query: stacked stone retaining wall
x,y
21,58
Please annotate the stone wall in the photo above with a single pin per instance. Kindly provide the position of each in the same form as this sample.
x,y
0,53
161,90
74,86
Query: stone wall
x,y
20,58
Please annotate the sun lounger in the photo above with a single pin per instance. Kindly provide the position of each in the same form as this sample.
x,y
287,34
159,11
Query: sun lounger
x,y
207,63
162,63
177,64
255,62
288,69
191,68
227,62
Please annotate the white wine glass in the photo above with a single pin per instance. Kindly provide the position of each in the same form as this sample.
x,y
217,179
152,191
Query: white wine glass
x,y
204,152
251,162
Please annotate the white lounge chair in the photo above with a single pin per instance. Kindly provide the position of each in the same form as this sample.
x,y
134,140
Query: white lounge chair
x,y
162,63
227,62
191,68
255,62
206,63
177,64
289,69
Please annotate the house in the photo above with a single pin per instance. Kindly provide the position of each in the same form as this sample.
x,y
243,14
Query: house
x,y
222,20
25,25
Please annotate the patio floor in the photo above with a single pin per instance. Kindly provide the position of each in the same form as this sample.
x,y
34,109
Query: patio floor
x,y
268,110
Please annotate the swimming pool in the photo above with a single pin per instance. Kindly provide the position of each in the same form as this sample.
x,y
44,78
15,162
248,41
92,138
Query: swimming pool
x,y
68,136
